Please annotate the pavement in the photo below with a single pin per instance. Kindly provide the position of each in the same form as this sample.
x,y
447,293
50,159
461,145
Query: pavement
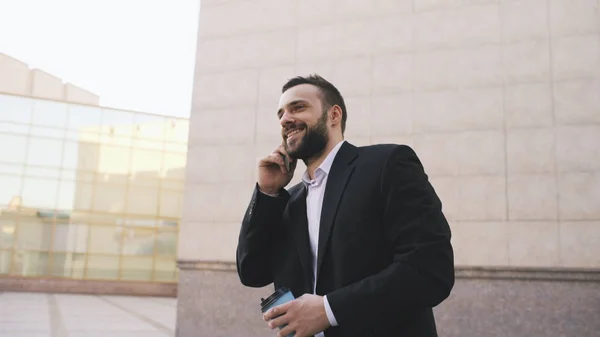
x,y
65,315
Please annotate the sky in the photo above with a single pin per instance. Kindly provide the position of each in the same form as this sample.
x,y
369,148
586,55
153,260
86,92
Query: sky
x,y
135,54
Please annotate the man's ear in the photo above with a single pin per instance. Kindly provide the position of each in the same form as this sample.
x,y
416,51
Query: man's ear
x,y
335,115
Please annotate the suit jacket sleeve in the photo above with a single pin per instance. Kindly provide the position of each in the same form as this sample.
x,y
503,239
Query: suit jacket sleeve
x,y
260,224
421,272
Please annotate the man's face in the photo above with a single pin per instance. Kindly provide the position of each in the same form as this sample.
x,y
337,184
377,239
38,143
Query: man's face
x,y
303,122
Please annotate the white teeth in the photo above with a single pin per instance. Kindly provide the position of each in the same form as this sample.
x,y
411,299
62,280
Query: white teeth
x,y
293,132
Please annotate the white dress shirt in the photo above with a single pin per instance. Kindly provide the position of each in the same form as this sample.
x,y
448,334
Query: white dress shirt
x,y
314,203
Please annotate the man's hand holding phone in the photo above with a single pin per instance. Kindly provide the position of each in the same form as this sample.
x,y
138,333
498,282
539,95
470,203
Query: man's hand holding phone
x,y
275,171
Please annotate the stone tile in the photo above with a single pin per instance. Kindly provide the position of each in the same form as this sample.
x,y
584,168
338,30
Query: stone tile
x,y
268,125
584,48
577,101
447,189
392,34
480,67
310,16
352,76
480,243
359,117
574,17
218,246
270,81
578,195
391,115
222,126
220,163
527,61
532,197
434,5
580,244
528,105
392,8
533,244
324,68
530,150
315,41
354,39
218,202
437,69
524,20
392,73
405,139
351,10
225,89
481,153
439,152
482,198
244,18
447,28
576,145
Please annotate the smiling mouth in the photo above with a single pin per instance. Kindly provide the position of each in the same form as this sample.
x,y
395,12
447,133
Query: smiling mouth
x,y
294,133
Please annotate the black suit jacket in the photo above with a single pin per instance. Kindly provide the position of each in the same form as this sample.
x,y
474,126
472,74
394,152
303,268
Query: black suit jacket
x,y
384,258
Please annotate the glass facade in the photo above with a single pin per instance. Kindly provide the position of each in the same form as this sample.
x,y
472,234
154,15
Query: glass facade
x,y
89,192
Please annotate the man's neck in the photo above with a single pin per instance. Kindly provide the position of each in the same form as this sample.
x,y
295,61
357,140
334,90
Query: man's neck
x,y
313,163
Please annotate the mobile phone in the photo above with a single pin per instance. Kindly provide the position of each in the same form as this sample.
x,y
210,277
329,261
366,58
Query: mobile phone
x,y
286,161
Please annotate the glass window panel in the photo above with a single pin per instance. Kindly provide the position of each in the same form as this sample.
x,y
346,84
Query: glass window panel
x,y
84,117
145,179
138,241
15,109
65,199
171,203
40,193
150,126
176,147
114,160
48,113
39,131
45,152
43,172
89,135
34,234
81,176
148,144
166,242
136,268
176,185
7,233
146,161
142,201
115,140
164,270
30,263
109,198
83,196
12,169
174,165
118,122
102,267
177,131
70,265
71,238
10,190
105,240
149,223
21,129
5,261
13,149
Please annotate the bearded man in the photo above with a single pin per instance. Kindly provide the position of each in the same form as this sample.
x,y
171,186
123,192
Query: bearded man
x,y
361,241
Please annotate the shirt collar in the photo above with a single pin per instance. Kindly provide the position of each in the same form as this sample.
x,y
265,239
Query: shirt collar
x,y
323,169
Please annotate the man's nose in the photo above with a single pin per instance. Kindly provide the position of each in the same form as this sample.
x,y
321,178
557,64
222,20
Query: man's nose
x,y
286,119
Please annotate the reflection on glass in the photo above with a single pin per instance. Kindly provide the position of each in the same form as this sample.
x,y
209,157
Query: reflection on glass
x,y
34,234
146,161
43,172
7,232
166,242
138,241
45,132
70,265
44,152
13,148
164,270
10,190
102,267
109,197
81,116
150,126
105,240
65,198
16,129
117,122
30,263
171,203
84,195
142,201
10,169
5,258
114,160
48,113
136,268
15,109
39,193
71,238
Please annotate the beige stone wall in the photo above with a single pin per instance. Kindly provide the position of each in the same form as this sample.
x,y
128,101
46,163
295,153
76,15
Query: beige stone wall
x,y
501,100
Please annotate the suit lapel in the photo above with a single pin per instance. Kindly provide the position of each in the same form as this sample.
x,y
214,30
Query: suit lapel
x,y
297,207
340,172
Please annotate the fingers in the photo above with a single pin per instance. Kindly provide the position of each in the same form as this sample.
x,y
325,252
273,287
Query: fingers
x,y
276,311
286,331
279,321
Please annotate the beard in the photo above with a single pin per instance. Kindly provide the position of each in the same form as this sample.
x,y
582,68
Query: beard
x,y
313,143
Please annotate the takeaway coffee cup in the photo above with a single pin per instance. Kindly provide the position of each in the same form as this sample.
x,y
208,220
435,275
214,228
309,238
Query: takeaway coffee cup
x,y
280,296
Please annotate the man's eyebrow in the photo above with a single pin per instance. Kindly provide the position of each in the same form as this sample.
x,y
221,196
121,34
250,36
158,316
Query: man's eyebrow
x,y
292,103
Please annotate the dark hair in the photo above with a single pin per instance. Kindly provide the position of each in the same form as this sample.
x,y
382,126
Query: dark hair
x,y
330,94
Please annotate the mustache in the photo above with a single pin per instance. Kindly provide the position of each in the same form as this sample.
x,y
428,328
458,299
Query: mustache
x,y
292,127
